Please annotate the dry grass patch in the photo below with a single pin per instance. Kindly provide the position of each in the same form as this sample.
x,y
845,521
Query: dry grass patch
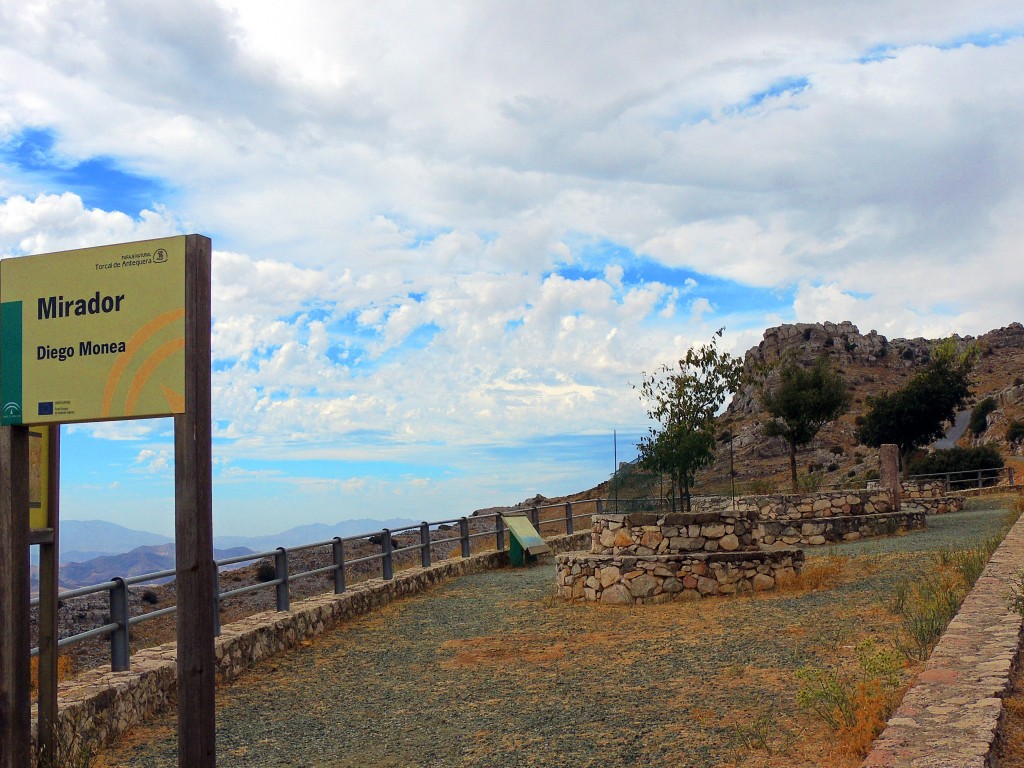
x,y
504,649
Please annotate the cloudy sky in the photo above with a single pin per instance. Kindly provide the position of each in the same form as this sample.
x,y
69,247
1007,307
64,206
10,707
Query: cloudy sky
x,y
448,235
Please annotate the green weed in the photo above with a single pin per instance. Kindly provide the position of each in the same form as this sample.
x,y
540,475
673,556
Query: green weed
x,y
926,608
855,704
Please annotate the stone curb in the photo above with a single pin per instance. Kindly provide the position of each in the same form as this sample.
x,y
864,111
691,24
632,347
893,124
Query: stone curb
x,y
100,705
950,716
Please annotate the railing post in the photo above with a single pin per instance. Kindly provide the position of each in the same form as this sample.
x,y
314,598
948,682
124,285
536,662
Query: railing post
x,y
425,544
535,518
216,600
388,566
119,661
499,529
339,565
948,488
464,535
600,509
281,571
568,518
979,478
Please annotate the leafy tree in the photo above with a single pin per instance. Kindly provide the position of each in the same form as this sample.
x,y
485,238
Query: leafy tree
x,y
802,401
684,401
917,414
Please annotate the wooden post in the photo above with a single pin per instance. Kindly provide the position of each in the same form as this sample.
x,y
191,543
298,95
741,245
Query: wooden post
x,y
49,560
193,523
15,707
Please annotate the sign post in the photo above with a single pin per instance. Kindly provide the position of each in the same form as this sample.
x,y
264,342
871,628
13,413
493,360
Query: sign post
x,y
193,524
15,717
116,332
44,530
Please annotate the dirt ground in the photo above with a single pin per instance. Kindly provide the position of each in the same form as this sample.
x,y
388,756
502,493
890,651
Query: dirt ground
x,y
493,670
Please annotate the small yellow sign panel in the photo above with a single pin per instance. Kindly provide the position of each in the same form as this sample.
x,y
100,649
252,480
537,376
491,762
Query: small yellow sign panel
x,y
39,479
93,334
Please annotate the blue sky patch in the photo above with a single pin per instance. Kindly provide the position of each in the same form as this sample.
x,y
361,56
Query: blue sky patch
x,y
99,181
787,86
983,39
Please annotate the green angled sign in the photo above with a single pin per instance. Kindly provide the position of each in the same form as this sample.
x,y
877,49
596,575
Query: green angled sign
x,y
93,334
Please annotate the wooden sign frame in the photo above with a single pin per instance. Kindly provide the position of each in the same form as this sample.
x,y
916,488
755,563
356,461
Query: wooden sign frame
x,y
195,568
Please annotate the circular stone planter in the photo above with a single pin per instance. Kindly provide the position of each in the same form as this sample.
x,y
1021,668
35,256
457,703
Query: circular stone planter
x,y
650,558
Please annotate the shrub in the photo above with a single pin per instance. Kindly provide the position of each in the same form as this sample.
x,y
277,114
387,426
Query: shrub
x,y
266,572
150,597
856,704
979,415
820,573
762,486
926,609
1015,432
836,450
968,563
764,732
956,460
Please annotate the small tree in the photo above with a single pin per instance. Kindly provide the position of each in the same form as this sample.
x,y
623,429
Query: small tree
x,y
917,415
684,401
802,402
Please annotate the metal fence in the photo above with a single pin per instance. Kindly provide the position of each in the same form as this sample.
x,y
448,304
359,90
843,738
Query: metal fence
x,y
550,519
969,478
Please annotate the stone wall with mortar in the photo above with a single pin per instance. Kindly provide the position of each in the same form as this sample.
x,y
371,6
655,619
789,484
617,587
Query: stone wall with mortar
x,y
99,705
934,505
830,516
648,533
922,489
830,530
631,580
810,506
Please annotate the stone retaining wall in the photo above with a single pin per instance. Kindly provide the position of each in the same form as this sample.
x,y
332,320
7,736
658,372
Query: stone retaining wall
x,y
99,705
935,505
802,506
829,530
647,533
951,715
629,580
922,489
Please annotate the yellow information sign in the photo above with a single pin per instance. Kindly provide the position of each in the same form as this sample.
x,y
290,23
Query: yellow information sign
x,y
93,334
39,478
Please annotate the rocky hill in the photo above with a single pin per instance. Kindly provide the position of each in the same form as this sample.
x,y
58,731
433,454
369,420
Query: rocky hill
x,y
872,364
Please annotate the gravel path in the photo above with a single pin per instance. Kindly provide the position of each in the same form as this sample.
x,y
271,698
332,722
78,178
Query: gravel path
x,y
492,670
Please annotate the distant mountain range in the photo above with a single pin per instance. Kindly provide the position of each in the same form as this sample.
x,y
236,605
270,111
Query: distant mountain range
x,y
92,551
134,563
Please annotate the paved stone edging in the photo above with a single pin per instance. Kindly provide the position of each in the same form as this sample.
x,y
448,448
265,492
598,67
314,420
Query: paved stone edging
x,y
950,716
99,705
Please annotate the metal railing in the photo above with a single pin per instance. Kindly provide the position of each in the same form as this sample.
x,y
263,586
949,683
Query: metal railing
x,y
969,478
549,519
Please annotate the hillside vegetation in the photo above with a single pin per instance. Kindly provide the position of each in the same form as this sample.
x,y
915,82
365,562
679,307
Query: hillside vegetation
x,y
872,365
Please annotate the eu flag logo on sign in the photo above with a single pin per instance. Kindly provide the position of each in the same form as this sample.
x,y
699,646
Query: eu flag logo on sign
x,y
46,409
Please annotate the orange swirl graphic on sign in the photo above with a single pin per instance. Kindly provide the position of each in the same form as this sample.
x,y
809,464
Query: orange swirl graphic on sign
x,y
144,334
